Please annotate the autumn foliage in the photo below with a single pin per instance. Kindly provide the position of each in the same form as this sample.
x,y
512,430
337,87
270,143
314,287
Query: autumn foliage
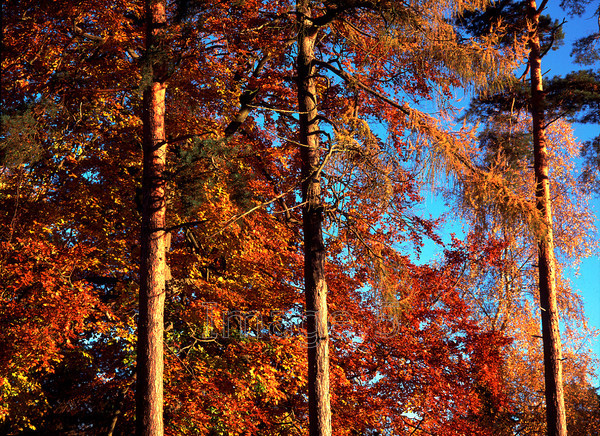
x,y
416,345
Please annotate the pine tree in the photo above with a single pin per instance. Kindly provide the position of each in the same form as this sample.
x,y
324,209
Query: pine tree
x,y
315,285
555,403
150,366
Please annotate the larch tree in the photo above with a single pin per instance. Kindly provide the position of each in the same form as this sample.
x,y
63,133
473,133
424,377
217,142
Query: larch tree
x,y
326,28
540,36
506,294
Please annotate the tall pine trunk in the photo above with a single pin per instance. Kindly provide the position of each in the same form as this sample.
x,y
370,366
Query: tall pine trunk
x,y
149,393
555,405
312,221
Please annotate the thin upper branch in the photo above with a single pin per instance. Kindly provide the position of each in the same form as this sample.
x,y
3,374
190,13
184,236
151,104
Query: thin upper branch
x,y
354,81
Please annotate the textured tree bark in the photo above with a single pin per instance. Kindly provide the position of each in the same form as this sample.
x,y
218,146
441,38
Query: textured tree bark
x,y
149,393
312,221
555,405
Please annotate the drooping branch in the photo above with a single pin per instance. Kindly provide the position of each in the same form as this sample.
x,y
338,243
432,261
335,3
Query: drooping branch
x,y
483,186
354,81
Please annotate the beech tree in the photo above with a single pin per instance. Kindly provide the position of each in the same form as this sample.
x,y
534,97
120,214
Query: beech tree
x,y
53,195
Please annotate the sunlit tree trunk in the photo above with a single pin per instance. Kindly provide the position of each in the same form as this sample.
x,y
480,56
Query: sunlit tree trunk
x,y
312,220
555,406
149,401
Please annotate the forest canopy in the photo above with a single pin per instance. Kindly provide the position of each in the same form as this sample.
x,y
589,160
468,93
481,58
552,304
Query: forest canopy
x,y
214,217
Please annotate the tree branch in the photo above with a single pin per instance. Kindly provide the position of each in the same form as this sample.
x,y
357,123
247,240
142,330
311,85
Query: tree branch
x,y
184,225
79,31
354,81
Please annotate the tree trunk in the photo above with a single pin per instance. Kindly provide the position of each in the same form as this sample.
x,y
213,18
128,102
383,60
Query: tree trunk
x,y
312,221
149,394
555,405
